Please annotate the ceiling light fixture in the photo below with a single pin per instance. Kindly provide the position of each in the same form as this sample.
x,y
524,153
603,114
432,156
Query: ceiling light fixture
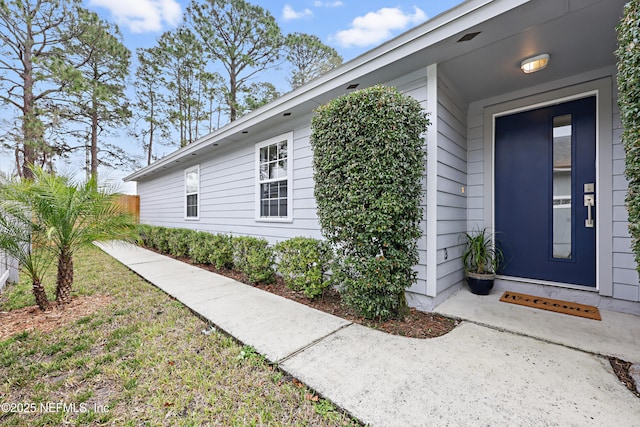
x,y
536,63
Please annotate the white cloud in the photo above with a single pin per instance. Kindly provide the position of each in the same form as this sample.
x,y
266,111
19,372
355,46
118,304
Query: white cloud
x,y
337,3
141,16
374,27
288,14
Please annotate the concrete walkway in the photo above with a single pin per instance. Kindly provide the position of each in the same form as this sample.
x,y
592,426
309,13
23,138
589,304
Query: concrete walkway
x,y
475,375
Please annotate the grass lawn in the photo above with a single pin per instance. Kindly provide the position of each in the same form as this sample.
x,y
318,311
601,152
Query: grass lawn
x,y
142,359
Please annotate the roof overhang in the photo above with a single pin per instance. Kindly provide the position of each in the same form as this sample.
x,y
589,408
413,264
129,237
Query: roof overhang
x,y
578,34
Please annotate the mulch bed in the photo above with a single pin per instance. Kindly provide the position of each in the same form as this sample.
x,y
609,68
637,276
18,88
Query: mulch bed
x,y
28,319
416,324
621,369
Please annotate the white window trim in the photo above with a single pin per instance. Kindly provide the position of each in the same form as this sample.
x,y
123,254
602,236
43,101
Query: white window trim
x,y
256,169
186,171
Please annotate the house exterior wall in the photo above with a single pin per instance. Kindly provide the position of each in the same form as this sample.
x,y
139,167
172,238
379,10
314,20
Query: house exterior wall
x,y
446,176
461,156
616,267
227,187
452,180
625,275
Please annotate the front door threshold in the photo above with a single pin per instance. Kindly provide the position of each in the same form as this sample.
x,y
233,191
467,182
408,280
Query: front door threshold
x,y
536,282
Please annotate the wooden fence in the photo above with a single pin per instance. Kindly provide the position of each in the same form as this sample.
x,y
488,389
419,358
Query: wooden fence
x,y
131,204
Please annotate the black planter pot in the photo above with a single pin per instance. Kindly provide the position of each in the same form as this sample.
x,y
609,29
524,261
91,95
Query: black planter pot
x,y
480,284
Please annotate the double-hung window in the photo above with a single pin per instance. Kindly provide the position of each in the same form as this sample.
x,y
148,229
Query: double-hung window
x,y
191,191
273,184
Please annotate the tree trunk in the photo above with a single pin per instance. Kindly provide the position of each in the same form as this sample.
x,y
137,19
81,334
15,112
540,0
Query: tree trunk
x,y
233,112
151,129
28,131
29,119
94,139
94,145
41,295
65,277
403,307
233,91
150,148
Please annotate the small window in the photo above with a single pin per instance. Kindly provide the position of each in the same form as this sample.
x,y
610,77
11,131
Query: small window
x,y
273,171
191,190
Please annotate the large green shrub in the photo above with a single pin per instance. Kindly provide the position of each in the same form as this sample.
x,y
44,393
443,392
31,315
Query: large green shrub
x,y
254,257
200,248
179,241
144,233
159,237
215,249
368,164
628,54
303,262
221,255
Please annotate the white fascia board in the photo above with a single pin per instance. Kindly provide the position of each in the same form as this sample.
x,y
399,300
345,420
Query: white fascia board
x,y
451,22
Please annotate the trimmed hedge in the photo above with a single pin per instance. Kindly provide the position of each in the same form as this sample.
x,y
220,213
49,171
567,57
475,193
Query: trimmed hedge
x,y
200,247
160,239
254,257
215,249
179,241
368,161
144,234
628,79
251,255
303,262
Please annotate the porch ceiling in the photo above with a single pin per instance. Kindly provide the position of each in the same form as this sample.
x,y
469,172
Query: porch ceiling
x,y
579,35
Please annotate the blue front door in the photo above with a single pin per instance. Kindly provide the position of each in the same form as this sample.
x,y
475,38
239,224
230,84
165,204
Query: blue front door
x,y
545,171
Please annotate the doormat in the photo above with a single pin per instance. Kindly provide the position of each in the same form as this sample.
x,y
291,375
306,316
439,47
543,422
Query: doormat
x,y
559,306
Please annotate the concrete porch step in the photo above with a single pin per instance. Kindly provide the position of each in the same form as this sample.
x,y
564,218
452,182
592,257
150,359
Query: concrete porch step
x,y
617,334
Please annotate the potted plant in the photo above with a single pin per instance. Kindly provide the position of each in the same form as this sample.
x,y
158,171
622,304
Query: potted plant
x,y
481,259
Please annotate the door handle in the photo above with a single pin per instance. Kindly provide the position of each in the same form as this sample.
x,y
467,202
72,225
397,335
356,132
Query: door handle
x,y
589,202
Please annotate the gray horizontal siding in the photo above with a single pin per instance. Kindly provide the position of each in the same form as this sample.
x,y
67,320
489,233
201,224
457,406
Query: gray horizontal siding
x,y
452,179
227,194
625,275
415,85
475,168
161,200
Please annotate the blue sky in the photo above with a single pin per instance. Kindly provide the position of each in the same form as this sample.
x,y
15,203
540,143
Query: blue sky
x,y
350,26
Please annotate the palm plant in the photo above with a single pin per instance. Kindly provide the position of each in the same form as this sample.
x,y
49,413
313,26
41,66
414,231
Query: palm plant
x,y
74,215
481,256
22,238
